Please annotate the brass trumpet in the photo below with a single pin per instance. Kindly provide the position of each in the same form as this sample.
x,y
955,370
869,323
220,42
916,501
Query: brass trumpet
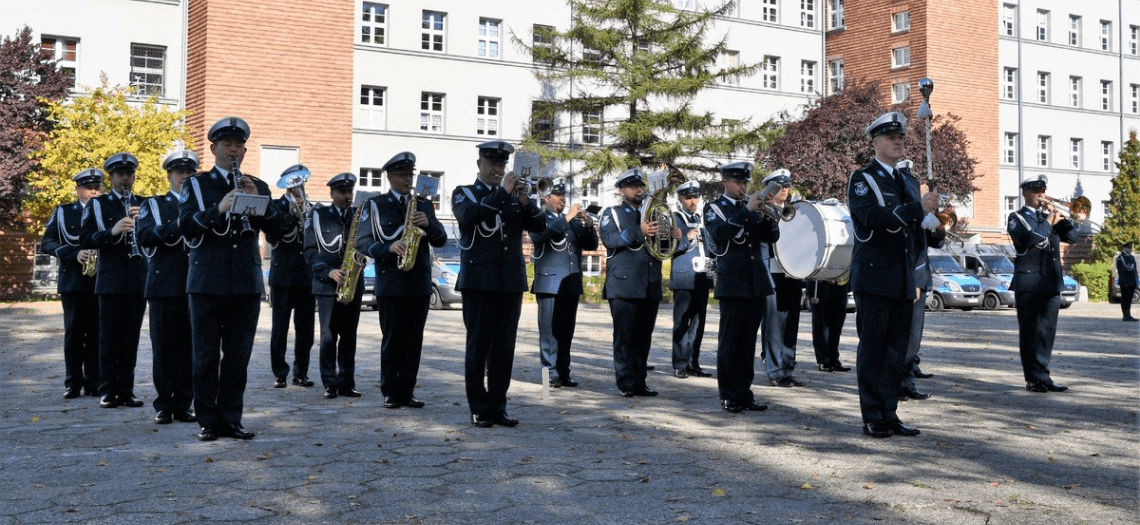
x,y
1078,209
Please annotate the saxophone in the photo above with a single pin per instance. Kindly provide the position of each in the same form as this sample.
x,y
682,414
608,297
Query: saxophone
x,y
352,266
411,237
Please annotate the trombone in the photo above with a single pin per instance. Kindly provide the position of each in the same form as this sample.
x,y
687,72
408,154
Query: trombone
x,y
1077,209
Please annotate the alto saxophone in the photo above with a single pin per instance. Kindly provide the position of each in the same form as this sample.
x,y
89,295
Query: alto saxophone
x,y
411,237
352,266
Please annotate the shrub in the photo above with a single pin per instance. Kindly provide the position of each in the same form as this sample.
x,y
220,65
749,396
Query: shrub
x,y
1094,276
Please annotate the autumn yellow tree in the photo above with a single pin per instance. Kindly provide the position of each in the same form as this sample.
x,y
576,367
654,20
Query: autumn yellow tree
x,y
89,129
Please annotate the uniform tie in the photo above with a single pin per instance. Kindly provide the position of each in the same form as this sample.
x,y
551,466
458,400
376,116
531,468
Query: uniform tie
x,y
903,195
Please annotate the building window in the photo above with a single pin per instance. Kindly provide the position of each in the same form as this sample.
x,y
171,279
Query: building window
x,y
900,57
371,113
834,14
1042,25
487,117
768,11
543,41
807,77
431,39
1106,156
1009,20
431,112
1105,35
1043,150
489,37
1009,149
591,265
65,51
435,199
770,72
1009,83
900,93
730,59
1075,146
592,125
148,68
807,13
1106,208
900,21
371,177
1042,87
1106,95
1074,30
730,9
834,77
686,5
1134,40
374,24
1075,92
1010,204
542,121
1135,98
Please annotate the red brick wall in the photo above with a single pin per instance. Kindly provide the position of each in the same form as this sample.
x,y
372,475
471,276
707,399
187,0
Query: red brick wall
x,y
286,68
16,261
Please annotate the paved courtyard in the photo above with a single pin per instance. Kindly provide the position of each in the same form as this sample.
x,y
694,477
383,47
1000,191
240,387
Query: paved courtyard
x,y
990,452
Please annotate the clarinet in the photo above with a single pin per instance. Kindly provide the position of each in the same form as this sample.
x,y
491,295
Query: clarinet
x,y
246,230
135,252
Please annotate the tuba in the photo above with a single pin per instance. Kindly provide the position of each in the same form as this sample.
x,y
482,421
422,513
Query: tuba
x,y
656,210
352,266
411,237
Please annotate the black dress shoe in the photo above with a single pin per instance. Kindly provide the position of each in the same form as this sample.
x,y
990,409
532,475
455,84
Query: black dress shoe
x,y
556,383
902,429
279,382
680,373
567,382
1130,319
877,429
1053,387
503,419
837,367
302,381
72,393
238,432
1036,386
627,392
698,372
163,417
786,382
731,406
644,391
412,402
919,374
184,416
912,393
650,367
390,402
330,393
348,392
109,401
129,400
755,407
207,434
481,421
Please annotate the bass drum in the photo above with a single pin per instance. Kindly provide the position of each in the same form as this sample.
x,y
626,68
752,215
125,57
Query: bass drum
x,y
817,243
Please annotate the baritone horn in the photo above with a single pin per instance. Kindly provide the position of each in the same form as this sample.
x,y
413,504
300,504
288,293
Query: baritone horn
x,y
299,204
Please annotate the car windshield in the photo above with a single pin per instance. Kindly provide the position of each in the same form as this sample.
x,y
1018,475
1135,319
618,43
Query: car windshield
x,y
447,252
998,264
944,264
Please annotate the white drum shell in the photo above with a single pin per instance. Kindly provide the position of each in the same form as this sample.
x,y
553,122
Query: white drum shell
x,y
817,243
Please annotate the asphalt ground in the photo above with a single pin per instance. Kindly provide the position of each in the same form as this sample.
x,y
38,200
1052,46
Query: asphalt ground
x,y
990,452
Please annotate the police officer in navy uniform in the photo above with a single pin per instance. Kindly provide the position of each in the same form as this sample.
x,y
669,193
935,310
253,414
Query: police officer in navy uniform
x,y
492,215
1037,231
402,297
690,287
828,312
326,242
743,284
76,291
225,281
291,286
1126,279
931,235
168,257
108,225
887,214
558,279
781,323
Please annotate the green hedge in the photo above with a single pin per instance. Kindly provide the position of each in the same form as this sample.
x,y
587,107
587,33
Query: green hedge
x,y
592,286
1093,276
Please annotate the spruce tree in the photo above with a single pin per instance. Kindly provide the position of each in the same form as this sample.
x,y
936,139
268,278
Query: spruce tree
x,y
1124,205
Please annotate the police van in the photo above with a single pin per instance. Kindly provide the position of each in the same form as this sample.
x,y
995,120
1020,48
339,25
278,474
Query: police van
x,y
953,287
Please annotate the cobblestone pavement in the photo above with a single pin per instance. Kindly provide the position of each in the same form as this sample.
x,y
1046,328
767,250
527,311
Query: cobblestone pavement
x,y
990,452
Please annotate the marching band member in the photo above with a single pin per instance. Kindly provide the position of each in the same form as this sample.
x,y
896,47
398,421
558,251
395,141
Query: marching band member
x,y
558,279
402,296
326,242
743,283
225,282
1037,231
931,235
690,287
492,215
887,214
76,290
782,309
168,263
828,312
1126,277
109,226
291,285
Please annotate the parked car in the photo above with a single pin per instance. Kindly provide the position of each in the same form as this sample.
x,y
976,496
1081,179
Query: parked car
x,y
1071,292
444,273
995,272
953,288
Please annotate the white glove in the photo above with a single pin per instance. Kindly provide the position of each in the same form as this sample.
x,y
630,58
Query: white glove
x,y
930,222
